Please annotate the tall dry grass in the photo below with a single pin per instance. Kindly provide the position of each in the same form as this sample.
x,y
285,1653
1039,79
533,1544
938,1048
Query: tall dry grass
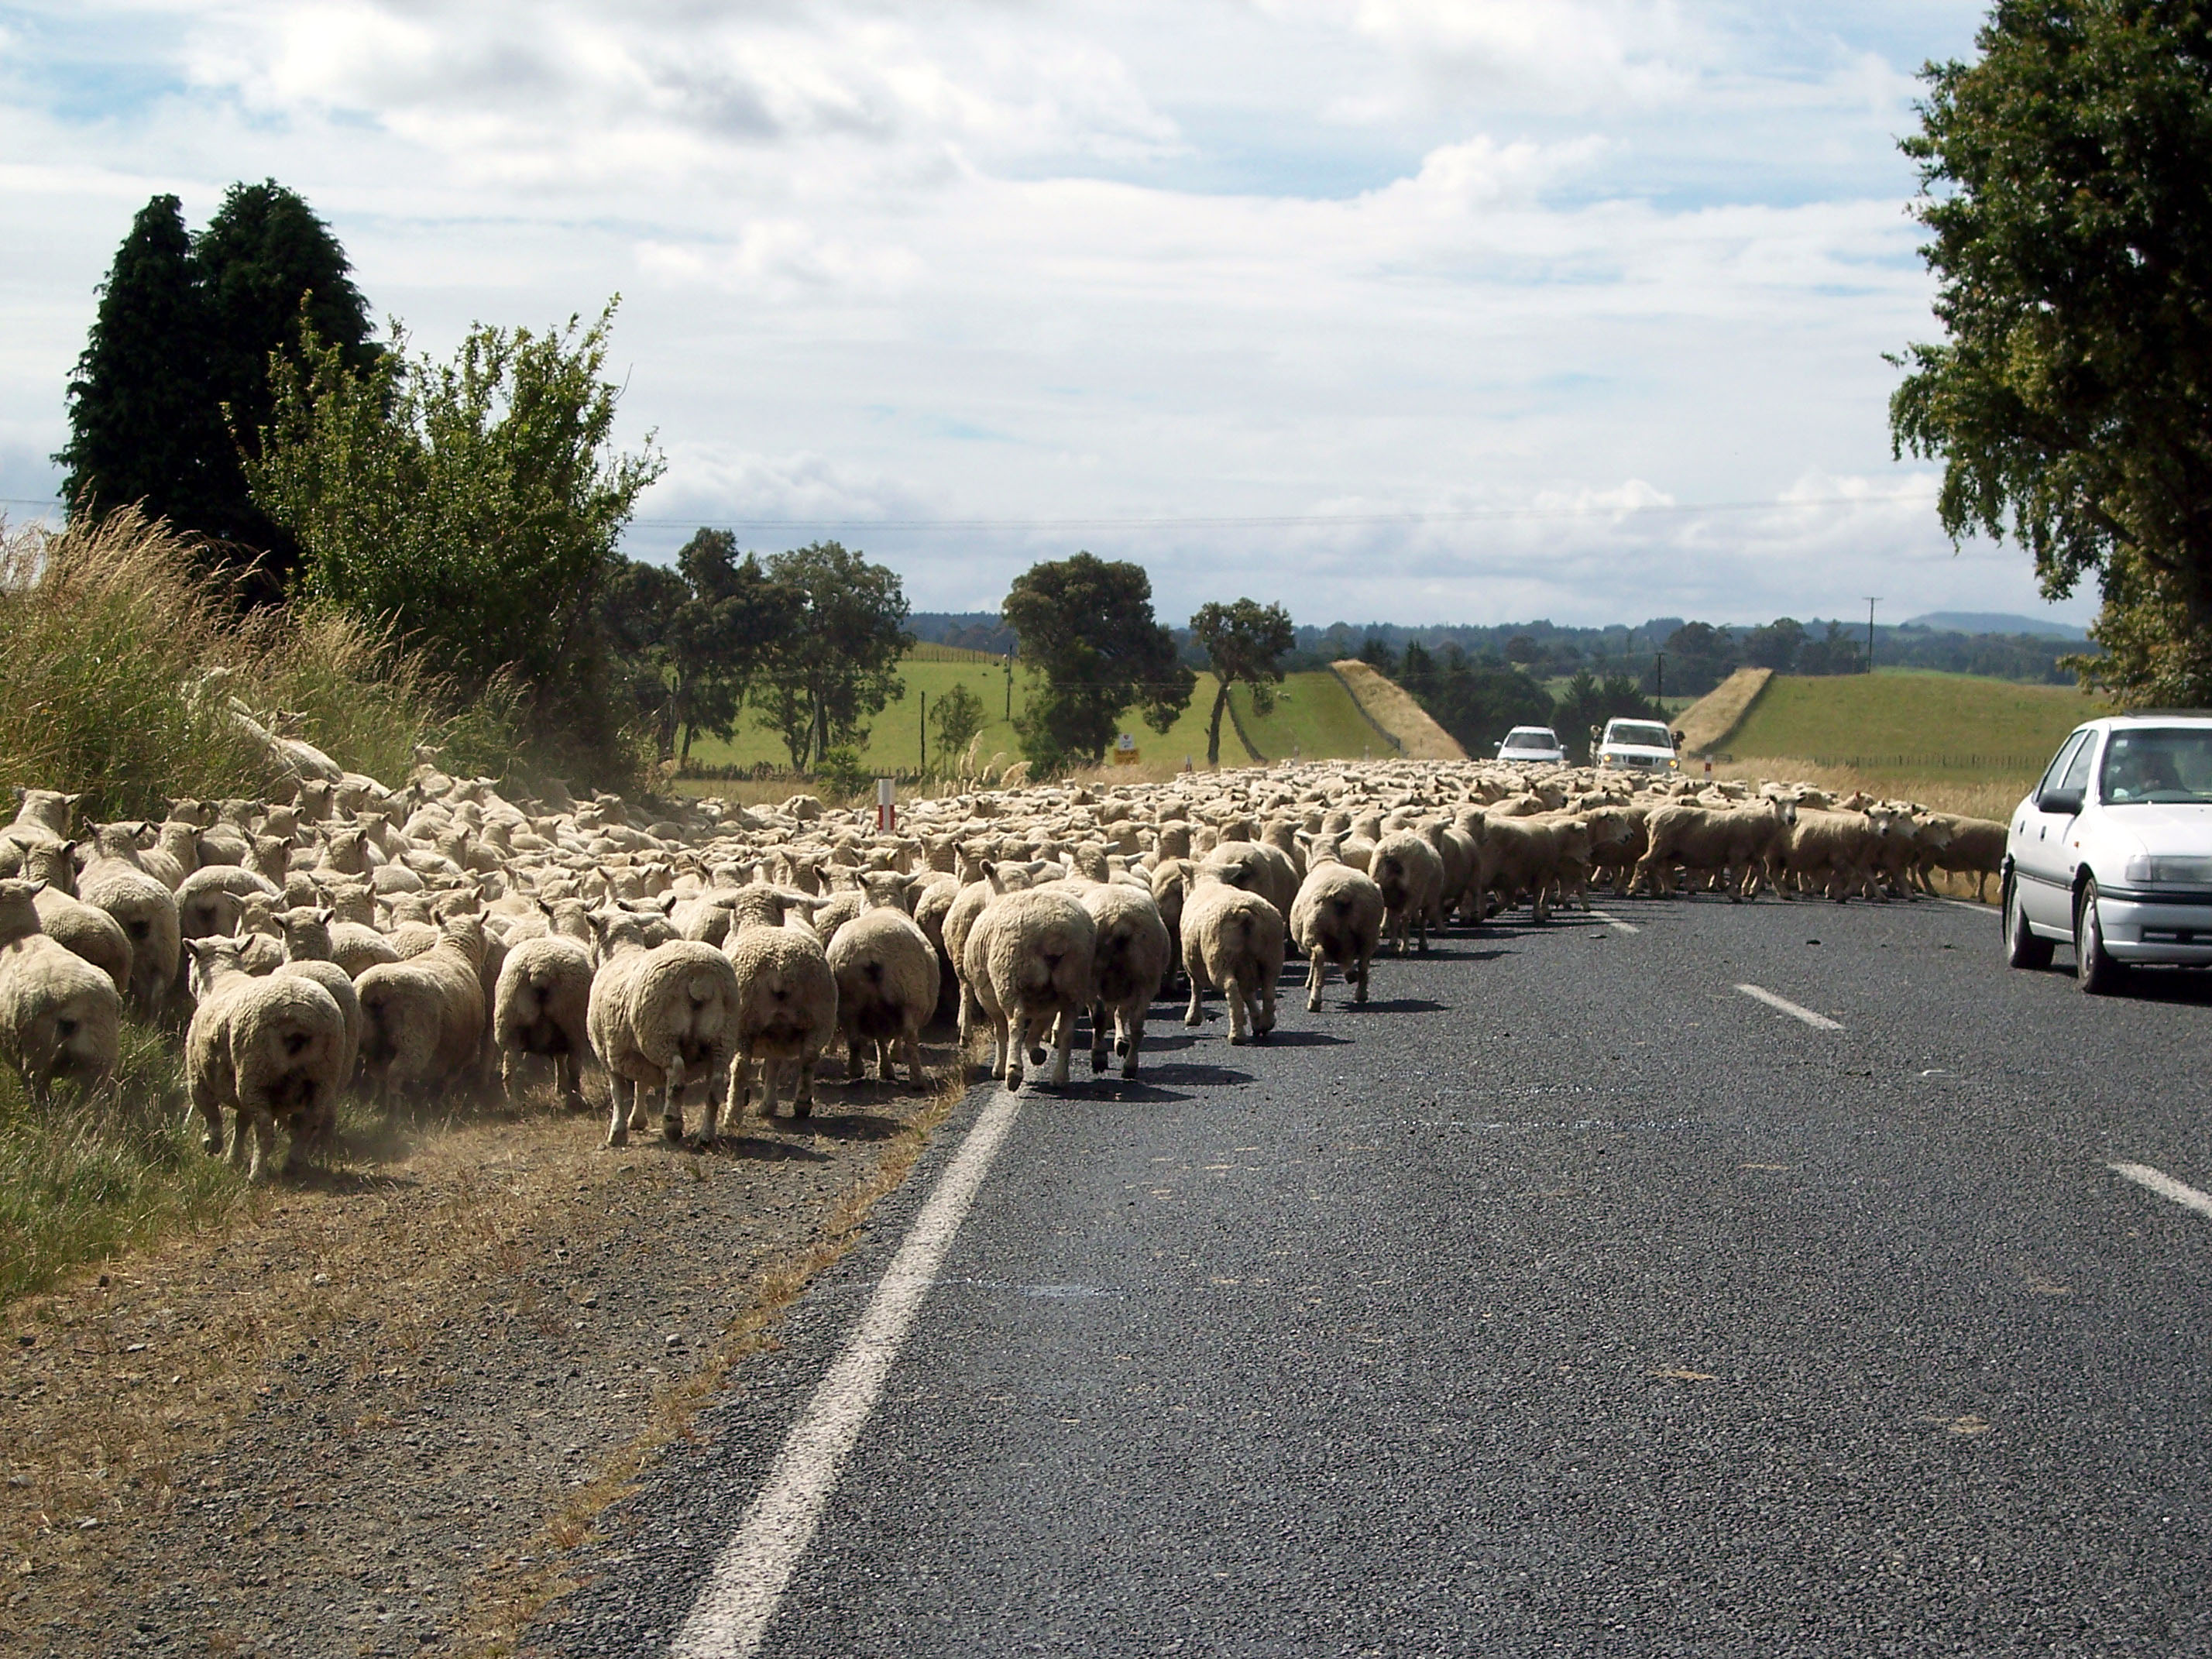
x,y
105,628
1392,708
1705,722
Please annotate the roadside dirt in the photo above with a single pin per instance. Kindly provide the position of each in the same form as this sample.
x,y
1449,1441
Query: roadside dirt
x,y
365,1422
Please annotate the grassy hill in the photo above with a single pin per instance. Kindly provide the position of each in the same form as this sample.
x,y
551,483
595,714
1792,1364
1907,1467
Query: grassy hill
x,y
1313,717
1942,738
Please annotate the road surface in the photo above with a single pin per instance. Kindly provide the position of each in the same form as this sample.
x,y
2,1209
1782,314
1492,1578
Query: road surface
x,y
1756,1280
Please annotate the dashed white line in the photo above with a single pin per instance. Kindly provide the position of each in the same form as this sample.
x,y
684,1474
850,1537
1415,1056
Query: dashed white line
x,y
1615,923
730,1617
1819,1022
2164,1186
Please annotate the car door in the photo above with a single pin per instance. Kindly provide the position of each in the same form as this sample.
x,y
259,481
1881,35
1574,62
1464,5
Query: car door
x,y
2043,869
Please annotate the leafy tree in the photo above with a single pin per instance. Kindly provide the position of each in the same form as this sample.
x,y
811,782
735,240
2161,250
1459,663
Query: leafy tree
x,y
1775,646
2063,182
691,640
142,426
1588,703
836,666
1480,703
1244,643
1698,657
174,381
1833,653
471,507
955,719
1086,625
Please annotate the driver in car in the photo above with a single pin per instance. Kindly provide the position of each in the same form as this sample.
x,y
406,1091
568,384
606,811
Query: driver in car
x,y
2140,771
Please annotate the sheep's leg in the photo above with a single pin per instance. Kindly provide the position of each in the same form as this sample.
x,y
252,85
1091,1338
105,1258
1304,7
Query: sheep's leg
x,y
1232,990
853,1069
1421,932
802,1094
771,1074
624,1091
971,1010
568,1079
198,1100
884,1058
716,1078
911,1045
1012,1029
672,1100
1315,977
1194,1015
1064,1040
1132,1037
1359,988
1264,1022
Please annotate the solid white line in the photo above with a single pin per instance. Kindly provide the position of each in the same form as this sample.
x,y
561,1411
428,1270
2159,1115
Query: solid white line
x,y
1819,1021
2164,1186
731,1614
1968,904
1615,923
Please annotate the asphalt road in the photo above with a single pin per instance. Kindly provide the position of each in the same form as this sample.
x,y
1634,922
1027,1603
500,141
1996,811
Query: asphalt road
x,y
1567,1300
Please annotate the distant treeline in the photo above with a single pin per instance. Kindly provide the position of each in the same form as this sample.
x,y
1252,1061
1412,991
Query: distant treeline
x,y
1682,657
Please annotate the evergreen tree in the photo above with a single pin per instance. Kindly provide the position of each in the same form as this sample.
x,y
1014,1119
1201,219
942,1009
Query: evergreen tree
x,y
142,426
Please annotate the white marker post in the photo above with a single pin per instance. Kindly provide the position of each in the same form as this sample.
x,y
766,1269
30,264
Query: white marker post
x,y
886,806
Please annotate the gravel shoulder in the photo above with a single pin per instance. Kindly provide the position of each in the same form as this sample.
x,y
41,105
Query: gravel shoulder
x,y
367,1420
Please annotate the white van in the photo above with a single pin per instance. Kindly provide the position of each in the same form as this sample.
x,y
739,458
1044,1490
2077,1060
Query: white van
x,y
1636,746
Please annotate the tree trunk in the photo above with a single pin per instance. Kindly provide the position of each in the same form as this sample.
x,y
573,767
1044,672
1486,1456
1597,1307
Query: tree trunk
x,y
1214,730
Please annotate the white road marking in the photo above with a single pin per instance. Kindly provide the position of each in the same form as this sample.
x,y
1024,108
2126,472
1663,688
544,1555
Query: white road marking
x,y
732,1615
1968,904
1819,1022
1615,923
2164,1186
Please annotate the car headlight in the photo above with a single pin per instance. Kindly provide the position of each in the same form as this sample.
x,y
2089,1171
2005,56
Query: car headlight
x,y
2143,868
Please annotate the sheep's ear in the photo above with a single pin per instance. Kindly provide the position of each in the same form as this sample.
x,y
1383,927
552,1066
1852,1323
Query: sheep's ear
x,y
71,800
37,885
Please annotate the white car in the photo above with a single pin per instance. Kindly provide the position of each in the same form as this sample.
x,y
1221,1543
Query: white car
x,y
2112,852
1533,745
1636,746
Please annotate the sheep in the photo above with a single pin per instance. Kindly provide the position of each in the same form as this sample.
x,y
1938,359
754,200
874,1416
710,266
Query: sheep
x,y
887,979
42,819
70,922
541,1006
116,880
662,1017
787,996
60,1017
1337,919
1257,868
422,1020
305,944
1976,848
209,901
1233,940
1129,958
1027,960
266,1047
1411,875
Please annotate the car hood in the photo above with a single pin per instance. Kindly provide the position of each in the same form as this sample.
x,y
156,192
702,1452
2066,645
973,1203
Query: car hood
x,y
2177,827
1636,751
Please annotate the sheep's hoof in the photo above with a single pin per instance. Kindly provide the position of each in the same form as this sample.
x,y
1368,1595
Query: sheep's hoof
x,y
802,1109
703,1142
1013,1082
671,1129
212,1144
1097,1059
618,1139
1313,1005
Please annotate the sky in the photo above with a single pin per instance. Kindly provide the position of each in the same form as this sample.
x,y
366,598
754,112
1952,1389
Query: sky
x,y
1414,311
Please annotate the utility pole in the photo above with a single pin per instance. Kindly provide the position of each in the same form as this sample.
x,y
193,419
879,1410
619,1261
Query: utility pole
x,y
1870,605
1010,685
1659,679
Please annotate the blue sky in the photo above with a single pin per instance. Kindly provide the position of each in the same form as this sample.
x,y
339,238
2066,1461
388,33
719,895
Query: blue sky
x,y
1405,310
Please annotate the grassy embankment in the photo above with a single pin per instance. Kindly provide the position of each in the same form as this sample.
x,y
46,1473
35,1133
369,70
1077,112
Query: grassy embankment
x,y
1313,718
103,636
1952,742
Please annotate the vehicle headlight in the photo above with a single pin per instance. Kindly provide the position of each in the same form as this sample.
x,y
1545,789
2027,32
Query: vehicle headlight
x,y
2195,870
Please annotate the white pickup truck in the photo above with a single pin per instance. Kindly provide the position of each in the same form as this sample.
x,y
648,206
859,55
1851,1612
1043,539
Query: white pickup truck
x,y
1636,746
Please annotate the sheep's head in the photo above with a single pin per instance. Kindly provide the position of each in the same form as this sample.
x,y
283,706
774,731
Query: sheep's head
x,y
307,933
18,914
213,959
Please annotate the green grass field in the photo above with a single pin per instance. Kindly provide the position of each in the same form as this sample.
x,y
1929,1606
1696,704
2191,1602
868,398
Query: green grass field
x,y
1909,721
1314,716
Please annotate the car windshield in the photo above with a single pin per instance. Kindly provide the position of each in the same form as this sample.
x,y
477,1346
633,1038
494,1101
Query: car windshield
x,y
2146,765
1531,737
1639,734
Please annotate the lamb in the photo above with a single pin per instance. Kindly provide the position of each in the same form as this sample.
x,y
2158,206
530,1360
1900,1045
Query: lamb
x,y
1129,958
1411,875
1027,960
266,1047
1337,919
661,1016
787,997
144,906
887,979
422,1020
60,1017
541,1006
1234,940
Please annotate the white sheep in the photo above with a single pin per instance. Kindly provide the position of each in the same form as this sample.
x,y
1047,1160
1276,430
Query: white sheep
x,y
422,1020
1232,941
266,1048
1411,875
1130,953
118,881
541,1006
70,922
1337,919
660,1017
887,978
786,995
305,942
1027,961
60,1017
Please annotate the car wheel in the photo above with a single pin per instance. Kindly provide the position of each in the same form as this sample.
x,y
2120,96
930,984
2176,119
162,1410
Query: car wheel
x,y
2024,947
2093,969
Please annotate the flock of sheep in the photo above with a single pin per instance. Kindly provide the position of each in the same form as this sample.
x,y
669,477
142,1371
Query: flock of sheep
x,y
411,943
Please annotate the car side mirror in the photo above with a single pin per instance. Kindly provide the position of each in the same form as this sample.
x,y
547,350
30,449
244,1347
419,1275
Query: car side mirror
x,y
2067,803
